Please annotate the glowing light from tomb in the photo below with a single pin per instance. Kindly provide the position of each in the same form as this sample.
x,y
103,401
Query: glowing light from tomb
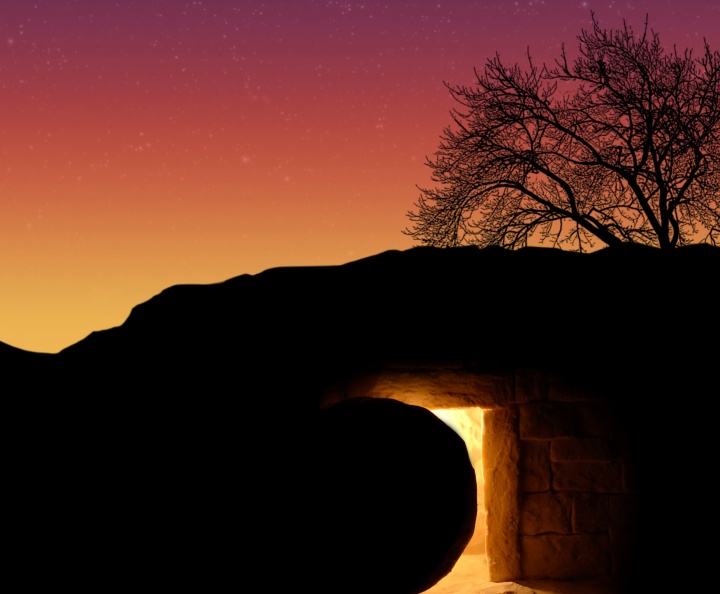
x,y
468,424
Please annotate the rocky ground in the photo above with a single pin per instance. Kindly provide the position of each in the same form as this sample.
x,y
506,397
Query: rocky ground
x,y
469,576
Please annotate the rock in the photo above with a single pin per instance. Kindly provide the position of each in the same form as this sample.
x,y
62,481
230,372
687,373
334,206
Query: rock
x,y
390,499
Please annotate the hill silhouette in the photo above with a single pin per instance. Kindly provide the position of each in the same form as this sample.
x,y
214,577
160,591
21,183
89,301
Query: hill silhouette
x,y
499,307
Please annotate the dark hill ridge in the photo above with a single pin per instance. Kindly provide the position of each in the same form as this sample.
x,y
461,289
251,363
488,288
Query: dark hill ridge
x,y
627,308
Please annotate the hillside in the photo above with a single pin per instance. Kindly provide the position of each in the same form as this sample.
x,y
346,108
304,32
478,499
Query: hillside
x,y
186,418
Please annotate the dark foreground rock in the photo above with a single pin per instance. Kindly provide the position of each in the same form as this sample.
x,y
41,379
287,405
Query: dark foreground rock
x,y
389,499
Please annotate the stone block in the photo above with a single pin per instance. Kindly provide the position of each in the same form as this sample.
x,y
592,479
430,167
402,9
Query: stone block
x,y
598,477
565,557
535,469
545,512
545,420
590,449
500,469
590,513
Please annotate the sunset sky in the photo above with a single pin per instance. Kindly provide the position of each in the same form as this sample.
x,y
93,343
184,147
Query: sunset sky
x,y
151,143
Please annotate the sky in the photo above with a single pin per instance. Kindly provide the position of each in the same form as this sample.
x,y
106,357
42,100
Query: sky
x,y
145,144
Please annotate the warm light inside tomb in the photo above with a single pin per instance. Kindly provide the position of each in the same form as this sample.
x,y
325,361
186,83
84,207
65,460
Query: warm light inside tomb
x,y
468,423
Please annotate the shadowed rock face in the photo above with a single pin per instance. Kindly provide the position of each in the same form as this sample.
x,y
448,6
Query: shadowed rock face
x,y
390,499
155,444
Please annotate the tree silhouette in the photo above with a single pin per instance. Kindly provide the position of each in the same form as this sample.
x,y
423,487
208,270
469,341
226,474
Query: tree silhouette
x,y
621,144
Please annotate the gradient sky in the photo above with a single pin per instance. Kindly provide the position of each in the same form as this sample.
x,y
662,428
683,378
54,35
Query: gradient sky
x,y
151,143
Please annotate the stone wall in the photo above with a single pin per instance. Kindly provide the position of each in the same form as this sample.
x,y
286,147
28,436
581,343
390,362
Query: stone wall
x,y
578,492
560,481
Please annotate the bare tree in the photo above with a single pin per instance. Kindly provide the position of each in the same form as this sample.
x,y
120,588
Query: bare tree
x,y
621,144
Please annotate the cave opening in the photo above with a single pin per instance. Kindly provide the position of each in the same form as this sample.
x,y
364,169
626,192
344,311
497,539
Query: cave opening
x,y
472,565
486,422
